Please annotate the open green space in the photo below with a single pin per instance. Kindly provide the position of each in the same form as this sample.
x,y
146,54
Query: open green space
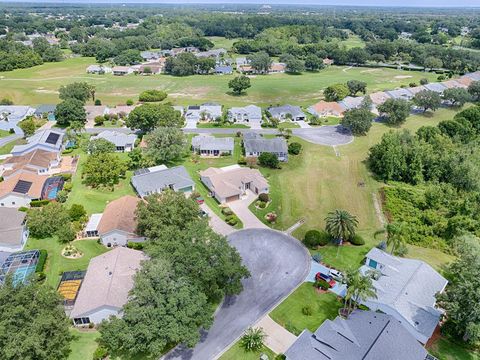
x,y
289,313
353,41
236,352
221,42
445,349
39,84
95,200
4,133
57,264
7,148
84,344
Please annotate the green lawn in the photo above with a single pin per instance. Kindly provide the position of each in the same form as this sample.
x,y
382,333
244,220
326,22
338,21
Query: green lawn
x,y
83,346
353,41
6,149
221,42
95,200
236,352
4,133
39,85
57,264
288,125
289,313
445,349
223,126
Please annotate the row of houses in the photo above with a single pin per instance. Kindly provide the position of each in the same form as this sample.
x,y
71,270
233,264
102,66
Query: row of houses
x,y
11,115
399,322
323,108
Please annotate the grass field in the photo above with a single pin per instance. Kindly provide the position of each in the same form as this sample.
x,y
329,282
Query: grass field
x,y
353,41
39,85
5,149
4,133
236,352
444,349
289,313
83,346
57,264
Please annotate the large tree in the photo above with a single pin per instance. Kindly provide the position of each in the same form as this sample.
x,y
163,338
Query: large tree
x,y
260,61
341,225
164,309
461,298
474,90
239,84
427,99
165,144
356,86
70,111
395,111
81,91
336,92
47,220
97,146
313,62
359,121
457,96
149,116
33,325
103,169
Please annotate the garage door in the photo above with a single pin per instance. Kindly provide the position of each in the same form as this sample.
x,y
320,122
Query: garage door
x,y
232,198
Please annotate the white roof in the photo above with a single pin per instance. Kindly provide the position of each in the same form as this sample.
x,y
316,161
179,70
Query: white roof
x,y
116,137
93,222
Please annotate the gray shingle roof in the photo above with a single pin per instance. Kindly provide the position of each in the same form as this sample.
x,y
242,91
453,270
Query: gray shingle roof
x,y
409,287
252,111
116,137
276,145
155,181
280,111
206,142
365,335
400,94
437,87
45,108
351,102
11,226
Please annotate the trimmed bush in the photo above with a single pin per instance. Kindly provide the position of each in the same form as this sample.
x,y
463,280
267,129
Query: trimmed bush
x,y
314,238
66,177
261,204
231,220
135,245
294,148
357,240
307,310
38,203
129,102
67,151
227,211
263,197
98,102
152,95
322,284
41,261
23,209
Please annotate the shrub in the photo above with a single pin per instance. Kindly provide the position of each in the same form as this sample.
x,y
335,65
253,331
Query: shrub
x,y
280,357
261,204
321,284
269,160
357,240
231,220
307,310
152,95
129,102
38,203
291,328
100,353
401,250
242,161
253,339
312,238
412,84
99,120
11,131
271,217
66,177
263,197
62,196
23,209
41,261
67,186
135,245
76,212
67,151
98,102
423,81
294,148
227,211
441,77
41,276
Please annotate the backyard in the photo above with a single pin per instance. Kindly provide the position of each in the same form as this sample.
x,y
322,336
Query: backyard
x,y
39,85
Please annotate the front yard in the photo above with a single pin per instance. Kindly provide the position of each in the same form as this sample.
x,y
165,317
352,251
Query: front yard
x,y
236,352
290,312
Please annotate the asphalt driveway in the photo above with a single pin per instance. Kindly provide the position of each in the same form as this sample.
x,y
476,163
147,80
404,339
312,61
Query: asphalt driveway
x,y
278,263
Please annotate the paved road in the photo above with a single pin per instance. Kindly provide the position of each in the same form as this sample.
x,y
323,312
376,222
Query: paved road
x,y
275,274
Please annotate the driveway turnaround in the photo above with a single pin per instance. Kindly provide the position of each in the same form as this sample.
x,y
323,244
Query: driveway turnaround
x,y
325,135
278,263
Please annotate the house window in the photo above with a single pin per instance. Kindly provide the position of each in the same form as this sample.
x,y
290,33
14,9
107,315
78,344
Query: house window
x,y
2,204
82,321
372,263
13,202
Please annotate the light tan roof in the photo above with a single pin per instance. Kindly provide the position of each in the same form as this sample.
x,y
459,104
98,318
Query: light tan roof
x,y
122,109
452,84
35,191
228,182
119,215
93,111
34,159
11,226
108,280
379,97
324,106
277,67
464,80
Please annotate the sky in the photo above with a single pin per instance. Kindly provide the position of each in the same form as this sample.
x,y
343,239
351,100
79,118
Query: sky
x,y
413,3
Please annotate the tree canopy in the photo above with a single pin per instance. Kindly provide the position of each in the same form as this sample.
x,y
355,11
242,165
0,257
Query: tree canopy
x,y
165,144
103,169
239,84
395,111
359,121
81,91
70,111
336,92
149,116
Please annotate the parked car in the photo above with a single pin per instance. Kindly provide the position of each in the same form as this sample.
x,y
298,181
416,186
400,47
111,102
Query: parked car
x,y
337,275
200,200
327,278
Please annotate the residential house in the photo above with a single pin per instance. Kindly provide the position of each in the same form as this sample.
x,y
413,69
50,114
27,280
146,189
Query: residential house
x,y
245,69
464,80
151,68
95,110
277,68
241,61
287,112
258,146
351,102
416,89
13,230
436,87
213,53
379,97
206,145
231,183
204,112
364,335
328,62
118,224
402,93
123,142
99,69
223,70
48,140
106,286
406,289
38,162
150,55
20,189
122,111
250,114
45,111
156,179
475,76
324,109
11,115
122,70
453,84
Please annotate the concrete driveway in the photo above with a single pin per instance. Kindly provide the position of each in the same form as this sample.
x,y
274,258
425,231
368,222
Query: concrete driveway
x,y
240,208
278,338
278,263
217,224
325,135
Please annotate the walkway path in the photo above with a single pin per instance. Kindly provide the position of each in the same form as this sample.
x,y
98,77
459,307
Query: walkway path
x,y
217,224
295,226
278,338
240,208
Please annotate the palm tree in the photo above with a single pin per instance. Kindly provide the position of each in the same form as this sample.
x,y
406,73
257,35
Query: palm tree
x,y
253,339
359,288
396,233
341,225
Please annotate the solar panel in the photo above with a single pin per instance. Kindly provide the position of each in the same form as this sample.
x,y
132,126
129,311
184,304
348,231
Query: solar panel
x,y
52,138
22,187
